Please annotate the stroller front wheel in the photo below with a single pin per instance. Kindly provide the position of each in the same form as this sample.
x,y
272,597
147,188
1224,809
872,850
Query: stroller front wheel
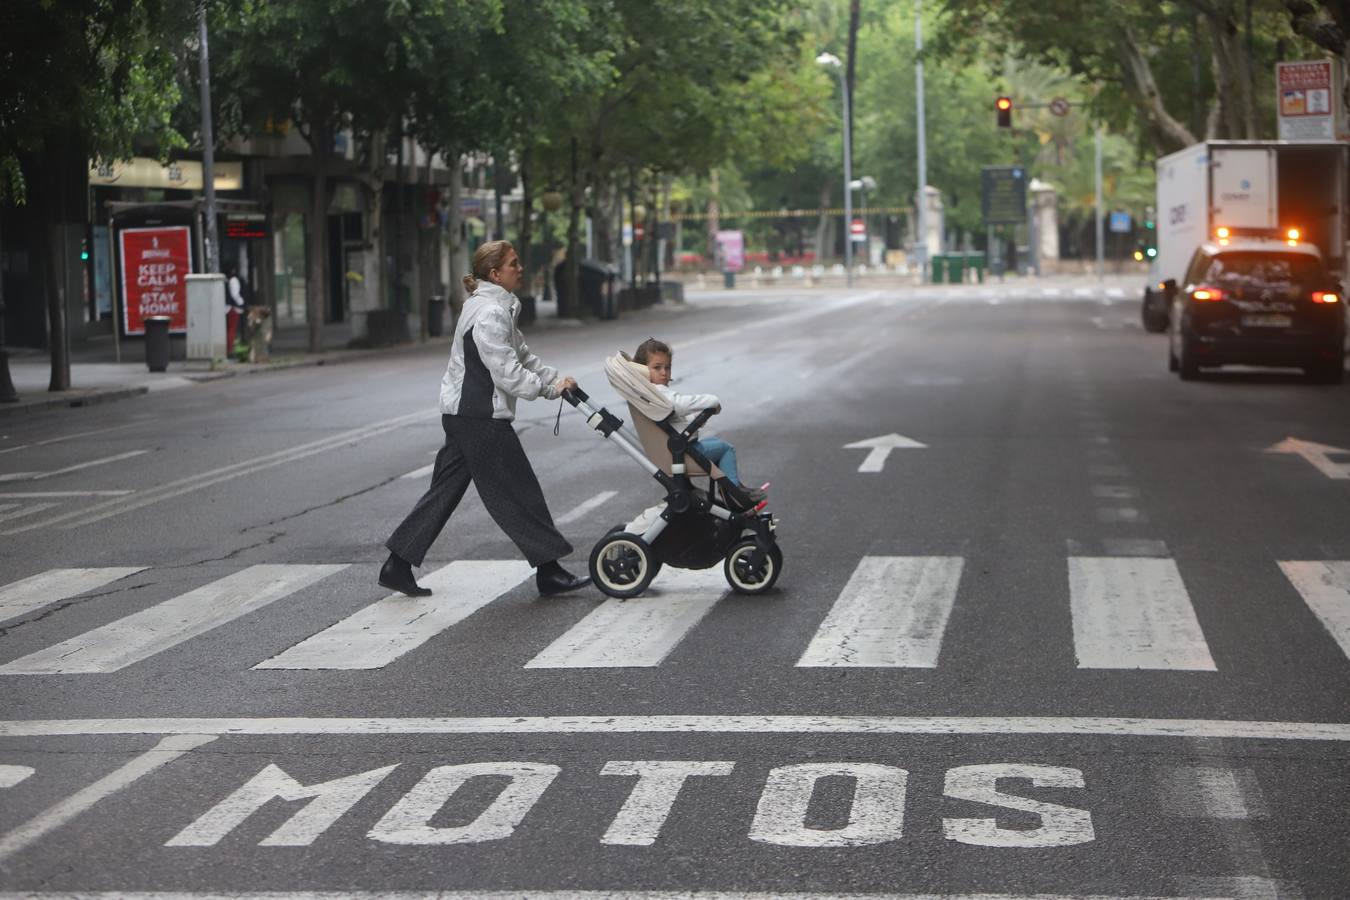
x,y
742,572
622,565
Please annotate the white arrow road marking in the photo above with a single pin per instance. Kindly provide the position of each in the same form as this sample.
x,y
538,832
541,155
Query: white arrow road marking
x,y
1317,454
881,448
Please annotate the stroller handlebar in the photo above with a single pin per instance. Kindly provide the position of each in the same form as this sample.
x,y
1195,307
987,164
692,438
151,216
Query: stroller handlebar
x,y
575,395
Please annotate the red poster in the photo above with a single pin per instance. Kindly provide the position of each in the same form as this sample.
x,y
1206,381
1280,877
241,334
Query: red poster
x,y
155,266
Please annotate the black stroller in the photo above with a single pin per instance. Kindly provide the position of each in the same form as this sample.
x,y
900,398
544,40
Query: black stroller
x,y
699,525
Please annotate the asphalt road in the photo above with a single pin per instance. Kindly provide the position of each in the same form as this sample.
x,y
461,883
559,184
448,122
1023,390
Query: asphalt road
x,y
1089,639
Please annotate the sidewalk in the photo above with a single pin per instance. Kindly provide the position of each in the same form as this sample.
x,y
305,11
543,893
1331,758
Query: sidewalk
x,y
97,377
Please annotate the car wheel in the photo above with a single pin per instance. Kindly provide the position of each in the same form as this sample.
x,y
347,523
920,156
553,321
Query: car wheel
x,y
1187,365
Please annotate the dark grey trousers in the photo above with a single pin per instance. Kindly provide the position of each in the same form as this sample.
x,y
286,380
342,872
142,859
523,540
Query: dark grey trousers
x,y
488,453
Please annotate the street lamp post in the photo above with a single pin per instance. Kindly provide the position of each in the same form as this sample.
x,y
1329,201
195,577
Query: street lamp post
x,y
829,59
921,200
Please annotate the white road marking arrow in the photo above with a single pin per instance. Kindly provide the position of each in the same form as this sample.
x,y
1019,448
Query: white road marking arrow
x,y
881,448
1317,454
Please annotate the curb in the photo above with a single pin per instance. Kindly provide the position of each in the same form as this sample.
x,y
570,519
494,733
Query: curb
x,y
83,398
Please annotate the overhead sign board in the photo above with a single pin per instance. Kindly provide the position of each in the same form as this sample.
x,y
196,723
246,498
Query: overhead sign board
x,y
182,174
246,226
1003,197
155,266
1308,100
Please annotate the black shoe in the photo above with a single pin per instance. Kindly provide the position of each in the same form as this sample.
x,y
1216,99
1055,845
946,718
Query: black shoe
x,y
557,580
396,574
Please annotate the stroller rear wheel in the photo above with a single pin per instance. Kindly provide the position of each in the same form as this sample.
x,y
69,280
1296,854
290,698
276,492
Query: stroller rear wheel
x,y
744,576
622,565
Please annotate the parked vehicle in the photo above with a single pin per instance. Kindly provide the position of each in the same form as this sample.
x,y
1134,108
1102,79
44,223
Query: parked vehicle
x,y
1248,187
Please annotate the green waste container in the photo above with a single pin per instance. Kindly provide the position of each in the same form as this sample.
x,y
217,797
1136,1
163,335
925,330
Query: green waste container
x,y
936,267
956,268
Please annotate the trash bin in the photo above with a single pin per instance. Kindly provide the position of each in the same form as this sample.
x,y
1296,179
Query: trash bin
x,y
597,288
956,269
436,316
157,343
728,279
936,267
975,260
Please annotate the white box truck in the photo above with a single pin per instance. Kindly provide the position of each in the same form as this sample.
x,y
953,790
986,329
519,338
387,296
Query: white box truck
x,y
1246,185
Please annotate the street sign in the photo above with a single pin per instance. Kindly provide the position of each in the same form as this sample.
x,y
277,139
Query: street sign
x,y
858,230
1121,223
628,234
1059,106
1307,100
1004,196
155,266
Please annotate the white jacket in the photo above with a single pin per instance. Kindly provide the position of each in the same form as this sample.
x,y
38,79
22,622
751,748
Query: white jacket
x,y
685,405
490,366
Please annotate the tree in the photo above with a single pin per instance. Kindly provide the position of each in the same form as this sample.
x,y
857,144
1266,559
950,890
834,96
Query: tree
x,y
83,79
331,65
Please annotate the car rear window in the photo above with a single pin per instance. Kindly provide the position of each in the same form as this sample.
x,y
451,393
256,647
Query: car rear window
x,y
1285,273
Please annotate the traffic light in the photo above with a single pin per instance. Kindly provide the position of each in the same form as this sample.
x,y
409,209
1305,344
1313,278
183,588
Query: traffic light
x,y
1150,234
1004,107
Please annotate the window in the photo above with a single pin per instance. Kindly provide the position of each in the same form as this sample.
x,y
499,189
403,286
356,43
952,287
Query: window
x,y
1284,274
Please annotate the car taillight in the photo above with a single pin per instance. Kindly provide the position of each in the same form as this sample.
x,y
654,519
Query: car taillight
x,y
1325,297
1206,294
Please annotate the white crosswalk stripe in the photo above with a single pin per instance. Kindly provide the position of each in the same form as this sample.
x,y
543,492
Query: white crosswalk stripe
x,y
892,612
384,631
1325,587
55,585
638,632
1134,613
141,635
1128,612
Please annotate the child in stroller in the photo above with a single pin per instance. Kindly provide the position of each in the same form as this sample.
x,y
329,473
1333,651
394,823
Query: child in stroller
x,y
698,525
657,357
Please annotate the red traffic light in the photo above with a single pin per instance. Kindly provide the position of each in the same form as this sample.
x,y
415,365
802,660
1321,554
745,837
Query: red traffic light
x,y
1003,103
1004,107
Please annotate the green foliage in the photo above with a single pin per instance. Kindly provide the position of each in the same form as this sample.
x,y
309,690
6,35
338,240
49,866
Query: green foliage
x,y
98,75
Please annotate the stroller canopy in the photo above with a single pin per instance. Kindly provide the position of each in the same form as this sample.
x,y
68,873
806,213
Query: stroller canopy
x,y
633,383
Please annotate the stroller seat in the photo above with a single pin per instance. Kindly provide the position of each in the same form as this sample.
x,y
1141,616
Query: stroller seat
x,y
647,409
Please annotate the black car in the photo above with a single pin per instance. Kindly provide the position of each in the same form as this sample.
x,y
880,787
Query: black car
x,y
1256,301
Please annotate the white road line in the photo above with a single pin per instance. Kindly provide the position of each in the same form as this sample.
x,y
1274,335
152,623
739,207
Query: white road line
x,y
892,612
1115,292
91,463
54,585
54,817
116,507
1134,613
419,473
34,494
382,632
141,635
639,632
1325,587
38,476
25,511
580,510
572,895
998,726
71,437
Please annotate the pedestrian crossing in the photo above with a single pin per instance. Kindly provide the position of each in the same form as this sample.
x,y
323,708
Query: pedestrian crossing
x,y
893,612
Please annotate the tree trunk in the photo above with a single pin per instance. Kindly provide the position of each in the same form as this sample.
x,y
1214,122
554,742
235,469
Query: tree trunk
x,y
823,223
1230,80
317,239
526,217
568,298
56,268
1172,134
850,70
